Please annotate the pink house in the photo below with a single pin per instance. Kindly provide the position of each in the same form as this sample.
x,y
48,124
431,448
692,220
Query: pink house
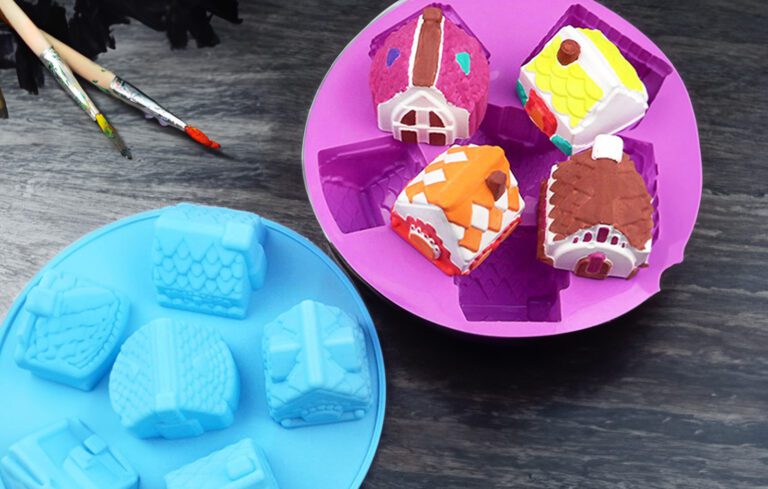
x,y
429,79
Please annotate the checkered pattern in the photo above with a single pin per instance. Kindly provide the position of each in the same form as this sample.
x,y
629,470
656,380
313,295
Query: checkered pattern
x,y
479,221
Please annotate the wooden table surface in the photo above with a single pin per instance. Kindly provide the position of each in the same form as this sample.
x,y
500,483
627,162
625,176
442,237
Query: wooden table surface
x,y
673,395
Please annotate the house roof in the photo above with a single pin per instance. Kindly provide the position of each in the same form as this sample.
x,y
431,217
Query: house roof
x,y
587,192
577,87
457,183
446,56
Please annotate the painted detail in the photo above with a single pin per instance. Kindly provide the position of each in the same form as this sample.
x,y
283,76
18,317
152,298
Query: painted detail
x,y
392,56
562,144
466,202
465,62
540,114
521,93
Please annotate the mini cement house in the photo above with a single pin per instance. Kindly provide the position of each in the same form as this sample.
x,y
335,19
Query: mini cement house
x,y
595,214
460,207
208,259
580,86
316,366
66,455
429,80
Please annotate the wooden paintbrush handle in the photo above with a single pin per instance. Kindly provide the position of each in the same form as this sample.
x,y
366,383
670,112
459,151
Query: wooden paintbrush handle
x,y
81,65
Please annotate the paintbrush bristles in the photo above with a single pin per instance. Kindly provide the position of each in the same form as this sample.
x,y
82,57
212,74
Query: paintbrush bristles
x,y
111,133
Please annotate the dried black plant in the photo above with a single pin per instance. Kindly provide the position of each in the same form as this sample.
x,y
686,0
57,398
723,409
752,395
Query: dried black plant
x,y
89,28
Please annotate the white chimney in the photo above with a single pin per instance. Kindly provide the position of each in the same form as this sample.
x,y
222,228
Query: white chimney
x,y
607,146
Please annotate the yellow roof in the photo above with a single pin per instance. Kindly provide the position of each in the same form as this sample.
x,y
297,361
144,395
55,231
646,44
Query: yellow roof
x,y
624,70
573,91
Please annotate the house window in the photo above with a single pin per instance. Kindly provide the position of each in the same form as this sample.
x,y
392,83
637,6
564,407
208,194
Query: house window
x,y
602,235
587,237
437,139
615,240
425,125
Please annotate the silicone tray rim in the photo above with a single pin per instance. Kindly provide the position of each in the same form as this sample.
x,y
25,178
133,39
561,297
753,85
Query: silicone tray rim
x,y
18,303
676,250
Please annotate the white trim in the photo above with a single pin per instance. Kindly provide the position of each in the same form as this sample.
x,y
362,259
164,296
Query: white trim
x,y
414,48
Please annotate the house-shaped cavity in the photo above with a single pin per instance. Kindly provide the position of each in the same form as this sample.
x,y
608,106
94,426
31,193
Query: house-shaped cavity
x,y
208,259
580,86
429,79
72,330
460,207
316,366
66,455
239,466
595,214
174,380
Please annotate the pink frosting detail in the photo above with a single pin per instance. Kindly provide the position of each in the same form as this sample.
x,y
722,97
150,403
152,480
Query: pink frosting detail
x,y
388,81
467,91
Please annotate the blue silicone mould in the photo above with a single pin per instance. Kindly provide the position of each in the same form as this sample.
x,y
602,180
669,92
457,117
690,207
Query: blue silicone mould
x,y
66,455
210,317
239,466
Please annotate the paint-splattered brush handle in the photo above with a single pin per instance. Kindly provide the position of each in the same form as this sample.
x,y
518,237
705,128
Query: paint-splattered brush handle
x,y
113,85
69,83
135,97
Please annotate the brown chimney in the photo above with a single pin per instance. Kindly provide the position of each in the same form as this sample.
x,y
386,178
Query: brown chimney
x,y
433,14
569,52
497,183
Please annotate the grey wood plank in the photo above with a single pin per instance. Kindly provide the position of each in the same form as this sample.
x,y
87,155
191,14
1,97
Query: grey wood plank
x,y
672,395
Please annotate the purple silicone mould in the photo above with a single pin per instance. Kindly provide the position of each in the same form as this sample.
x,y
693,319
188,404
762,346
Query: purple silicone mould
x,y
651,69
512,285
354,172
361,181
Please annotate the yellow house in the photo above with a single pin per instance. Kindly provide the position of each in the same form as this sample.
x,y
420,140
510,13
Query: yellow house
x,y
580,86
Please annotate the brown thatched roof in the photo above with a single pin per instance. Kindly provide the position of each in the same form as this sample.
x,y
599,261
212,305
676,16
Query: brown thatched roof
x,y
587,192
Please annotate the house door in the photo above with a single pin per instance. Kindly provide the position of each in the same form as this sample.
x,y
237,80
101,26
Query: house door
x,y
423,126
595,265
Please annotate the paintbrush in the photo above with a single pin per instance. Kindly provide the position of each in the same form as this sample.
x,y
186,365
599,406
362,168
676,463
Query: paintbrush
x,y
16,18
112,84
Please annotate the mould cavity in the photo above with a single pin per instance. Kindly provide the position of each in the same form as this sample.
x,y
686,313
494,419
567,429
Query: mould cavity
x,y
512,284
361,181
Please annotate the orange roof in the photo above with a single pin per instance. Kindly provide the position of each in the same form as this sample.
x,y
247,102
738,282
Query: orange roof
x,y
463,183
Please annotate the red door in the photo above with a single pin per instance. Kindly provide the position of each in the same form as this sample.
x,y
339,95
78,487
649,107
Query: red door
x,y
595,265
